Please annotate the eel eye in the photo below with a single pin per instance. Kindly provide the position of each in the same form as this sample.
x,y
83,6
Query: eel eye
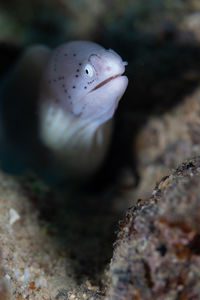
x,y
89,70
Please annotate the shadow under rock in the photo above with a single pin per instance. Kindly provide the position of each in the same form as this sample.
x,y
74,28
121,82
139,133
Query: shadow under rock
x,y
81,223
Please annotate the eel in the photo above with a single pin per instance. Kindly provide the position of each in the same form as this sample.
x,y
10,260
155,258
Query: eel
x,y
73,92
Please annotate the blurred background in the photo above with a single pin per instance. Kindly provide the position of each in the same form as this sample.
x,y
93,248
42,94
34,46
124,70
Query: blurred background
x,y
160,39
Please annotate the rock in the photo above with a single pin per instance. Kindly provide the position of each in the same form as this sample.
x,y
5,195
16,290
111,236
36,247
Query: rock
x,y
32,264
3,288
165,141
157,252
191,23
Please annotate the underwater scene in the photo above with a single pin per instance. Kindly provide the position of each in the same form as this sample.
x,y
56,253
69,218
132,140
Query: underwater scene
x,y
99,149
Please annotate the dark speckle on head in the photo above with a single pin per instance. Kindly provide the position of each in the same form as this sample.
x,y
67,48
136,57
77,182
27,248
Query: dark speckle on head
x,y
83,70
89,82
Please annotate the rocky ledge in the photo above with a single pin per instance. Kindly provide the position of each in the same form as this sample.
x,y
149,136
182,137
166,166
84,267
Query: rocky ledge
x,y
157,252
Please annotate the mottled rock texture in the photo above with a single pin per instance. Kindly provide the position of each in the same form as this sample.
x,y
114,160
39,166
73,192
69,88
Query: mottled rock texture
x,y
34,265
52,21
157,252
165,141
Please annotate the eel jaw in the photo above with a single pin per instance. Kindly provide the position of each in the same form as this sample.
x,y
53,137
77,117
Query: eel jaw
x,y
104,82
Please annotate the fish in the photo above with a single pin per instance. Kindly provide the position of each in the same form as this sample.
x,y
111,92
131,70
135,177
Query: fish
x,y
74,91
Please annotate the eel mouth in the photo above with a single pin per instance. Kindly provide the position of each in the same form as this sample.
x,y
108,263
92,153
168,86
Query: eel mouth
x,y
104,82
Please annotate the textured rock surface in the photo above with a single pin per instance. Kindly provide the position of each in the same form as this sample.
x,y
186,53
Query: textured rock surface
x,y
33,265
27,254
41,20
167,140
157,250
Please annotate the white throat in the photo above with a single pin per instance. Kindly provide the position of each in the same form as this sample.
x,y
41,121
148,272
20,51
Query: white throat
x,y
78,145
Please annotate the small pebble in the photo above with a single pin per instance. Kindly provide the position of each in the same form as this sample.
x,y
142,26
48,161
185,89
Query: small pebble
x,y
13,216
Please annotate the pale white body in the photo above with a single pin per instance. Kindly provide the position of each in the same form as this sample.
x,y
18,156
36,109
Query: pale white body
x,y
77,88
79,148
